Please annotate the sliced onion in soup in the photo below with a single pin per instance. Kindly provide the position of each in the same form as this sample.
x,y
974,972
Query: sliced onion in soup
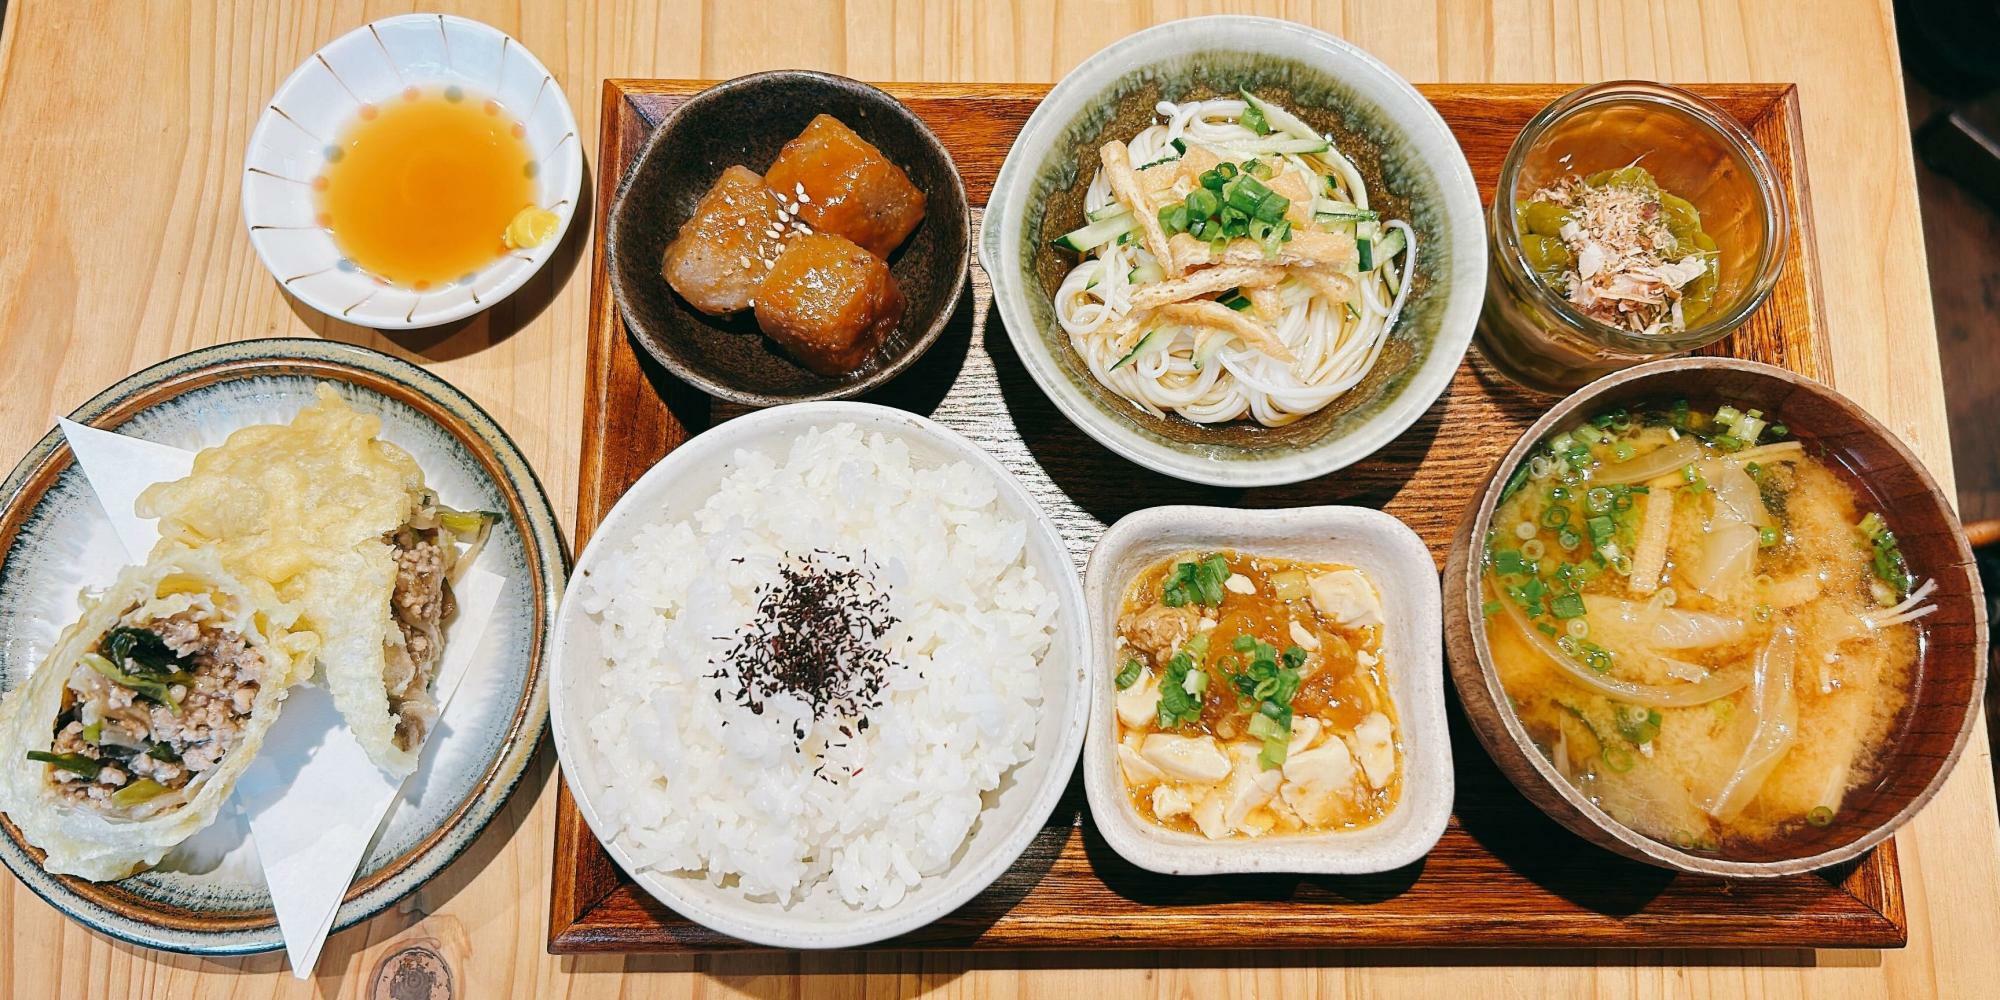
x,y
1774,708
1649,695
1671,457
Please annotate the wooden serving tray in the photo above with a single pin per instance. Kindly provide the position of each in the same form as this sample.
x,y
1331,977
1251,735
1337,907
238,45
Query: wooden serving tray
x,y
1504,874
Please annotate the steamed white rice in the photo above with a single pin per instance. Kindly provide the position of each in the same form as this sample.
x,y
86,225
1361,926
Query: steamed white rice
x,y
693,784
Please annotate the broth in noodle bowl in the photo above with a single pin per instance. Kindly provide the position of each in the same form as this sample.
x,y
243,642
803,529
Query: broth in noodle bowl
x,y
1232,267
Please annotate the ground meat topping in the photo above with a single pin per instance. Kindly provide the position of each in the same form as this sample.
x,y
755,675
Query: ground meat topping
x,y
420,602
141,738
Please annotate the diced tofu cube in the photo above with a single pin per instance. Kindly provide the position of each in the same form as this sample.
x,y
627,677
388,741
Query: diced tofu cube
x,y
1169,802
1375,745
1319,783
1139,705
718,260
850,188
1347,597
1139,772
829,303
1187,758
1249,787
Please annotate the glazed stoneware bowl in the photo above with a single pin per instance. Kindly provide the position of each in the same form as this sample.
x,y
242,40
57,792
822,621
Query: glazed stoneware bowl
x,y
209,896
359,72
1400,565
1927,737
747,121
674,489
1414,169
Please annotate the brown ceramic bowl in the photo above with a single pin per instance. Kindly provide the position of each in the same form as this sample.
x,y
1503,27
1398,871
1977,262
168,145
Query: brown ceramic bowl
x,y
1926,739
747,121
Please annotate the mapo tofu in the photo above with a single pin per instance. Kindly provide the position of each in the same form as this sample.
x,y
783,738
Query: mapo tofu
x,y
723,252
829,302
844,185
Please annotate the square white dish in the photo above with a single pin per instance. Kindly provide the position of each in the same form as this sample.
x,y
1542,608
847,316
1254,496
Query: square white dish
x,y
1412,648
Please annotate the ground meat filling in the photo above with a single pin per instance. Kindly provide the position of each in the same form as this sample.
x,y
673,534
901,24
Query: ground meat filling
x,y
192,705
420,603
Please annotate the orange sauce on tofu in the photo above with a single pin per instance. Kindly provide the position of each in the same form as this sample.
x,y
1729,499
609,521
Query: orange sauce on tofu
x,y
1345,678
420,192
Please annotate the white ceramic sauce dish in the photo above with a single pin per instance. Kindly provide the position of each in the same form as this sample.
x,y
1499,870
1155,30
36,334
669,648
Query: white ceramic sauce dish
x,y
1400,565
371,66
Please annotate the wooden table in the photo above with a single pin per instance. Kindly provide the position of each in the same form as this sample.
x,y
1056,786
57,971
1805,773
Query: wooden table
x,y
123,128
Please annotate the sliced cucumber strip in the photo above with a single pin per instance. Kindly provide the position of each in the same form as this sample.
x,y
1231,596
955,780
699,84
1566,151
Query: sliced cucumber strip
x,y
1097,233
1143,343
1206,353
1284,121
1391,244
1328,209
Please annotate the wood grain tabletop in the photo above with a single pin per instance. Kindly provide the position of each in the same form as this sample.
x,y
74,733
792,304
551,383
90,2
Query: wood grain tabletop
x,y
123,127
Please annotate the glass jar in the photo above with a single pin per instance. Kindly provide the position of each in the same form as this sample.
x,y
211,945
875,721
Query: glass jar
x,y
1694,149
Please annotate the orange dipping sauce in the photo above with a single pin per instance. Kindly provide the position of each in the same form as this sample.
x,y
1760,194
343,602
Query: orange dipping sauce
x,y
420,191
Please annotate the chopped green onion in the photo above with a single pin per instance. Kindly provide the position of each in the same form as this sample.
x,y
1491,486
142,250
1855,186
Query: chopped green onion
x,y
1129,675
1767,537
1490,608
1253,119
1820,816
74,763
142,790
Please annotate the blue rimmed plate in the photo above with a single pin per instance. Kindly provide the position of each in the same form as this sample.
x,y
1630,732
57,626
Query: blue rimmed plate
x,y
209,896
354,75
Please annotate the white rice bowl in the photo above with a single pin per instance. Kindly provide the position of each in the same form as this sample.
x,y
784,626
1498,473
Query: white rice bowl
x,y
848,834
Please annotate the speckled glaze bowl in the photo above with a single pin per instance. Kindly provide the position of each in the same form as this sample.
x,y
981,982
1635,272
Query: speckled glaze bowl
x,y
208,896
747,121
354,74
1414,169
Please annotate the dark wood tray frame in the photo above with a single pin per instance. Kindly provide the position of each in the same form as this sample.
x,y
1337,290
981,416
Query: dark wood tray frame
x,y
1504,875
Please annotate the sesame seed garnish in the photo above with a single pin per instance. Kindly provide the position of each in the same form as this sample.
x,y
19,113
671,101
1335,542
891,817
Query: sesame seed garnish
x,y
745,261
769,264
801,189
804,230
727,200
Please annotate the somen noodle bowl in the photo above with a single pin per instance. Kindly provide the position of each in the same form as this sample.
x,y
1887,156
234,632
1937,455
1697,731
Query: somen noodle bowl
x,y
1196,297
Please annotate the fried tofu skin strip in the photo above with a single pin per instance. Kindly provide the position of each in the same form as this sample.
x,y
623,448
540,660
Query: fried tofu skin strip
x,y
1125,186
1307,248
1338,287
1216,316
1206,282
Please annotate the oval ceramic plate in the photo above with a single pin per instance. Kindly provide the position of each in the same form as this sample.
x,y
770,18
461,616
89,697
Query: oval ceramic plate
x,y
1415,171
370,66
209,896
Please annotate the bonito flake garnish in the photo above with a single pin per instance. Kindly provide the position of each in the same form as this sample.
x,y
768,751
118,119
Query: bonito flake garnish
x,y
1625,275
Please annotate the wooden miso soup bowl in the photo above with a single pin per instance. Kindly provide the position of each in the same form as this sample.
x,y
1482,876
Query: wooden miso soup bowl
x,y
1926,738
